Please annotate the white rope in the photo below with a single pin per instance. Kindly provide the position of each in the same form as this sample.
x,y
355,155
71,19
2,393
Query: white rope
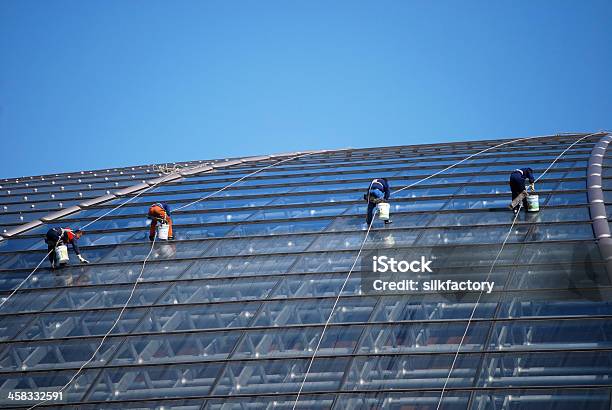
x,y
124,203
472,156
343,285
241,179
26,279
561,154
81,228
333,309
469,322
139,278
475,307
399,190
139,194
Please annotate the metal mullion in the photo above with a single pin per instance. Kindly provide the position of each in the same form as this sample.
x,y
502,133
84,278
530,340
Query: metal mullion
x,y
301,205
290,396
223,278
233,350
289,299
483,355
305,356
198,258
351,361
339,325
315,183
320,218
297,193
310,171
305,252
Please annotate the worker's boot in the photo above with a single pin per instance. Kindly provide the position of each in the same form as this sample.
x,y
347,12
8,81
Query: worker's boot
x,y
388,222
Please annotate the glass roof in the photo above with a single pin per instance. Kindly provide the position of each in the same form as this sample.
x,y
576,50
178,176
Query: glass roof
x,y
228,315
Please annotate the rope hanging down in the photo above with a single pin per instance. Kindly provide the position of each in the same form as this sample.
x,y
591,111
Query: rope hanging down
x,y
469,322
139,278
367,233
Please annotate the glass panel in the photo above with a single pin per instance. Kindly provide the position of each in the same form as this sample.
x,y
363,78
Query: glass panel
x,y
218,291
306,402
52,355
428,307
410,372
27,301
246,265
427,400
574,399
150,382
545,369
325,262
218,316
176,348
284,313
280,376
315,286
566,334
99,297
297,342
226,247
476,203
279,228
79,324
560,275
566,199
49,382
424,337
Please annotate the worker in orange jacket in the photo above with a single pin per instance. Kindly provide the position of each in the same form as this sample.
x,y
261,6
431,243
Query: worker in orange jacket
x,y
160,212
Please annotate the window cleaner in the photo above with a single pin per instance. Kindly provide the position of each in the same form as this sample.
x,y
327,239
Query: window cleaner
x,y
377,195
57,240
519,192
159,214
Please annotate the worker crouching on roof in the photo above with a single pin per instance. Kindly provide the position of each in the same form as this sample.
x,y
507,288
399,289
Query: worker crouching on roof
x,y
517,186
378,191
63,236
160,212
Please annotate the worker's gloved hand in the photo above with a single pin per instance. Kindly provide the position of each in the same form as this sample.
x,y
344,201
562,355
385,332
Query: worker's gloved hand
x,y
82,259
151,237
532,186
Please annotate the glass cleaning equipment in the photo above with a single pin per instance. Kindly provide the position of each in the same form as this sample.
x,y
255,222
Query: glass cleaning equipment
x,y
61,254
383,211
162,230
533,201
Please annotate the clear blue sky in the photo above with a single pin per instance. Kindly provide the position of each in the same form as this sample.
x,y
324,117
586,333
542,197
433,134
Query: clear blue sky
x,y
97,84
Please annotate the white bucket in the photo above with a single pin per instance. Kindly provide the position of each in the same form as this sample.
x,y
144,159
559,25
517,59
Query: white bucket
x,y
383,211
533,203
61,254
162,231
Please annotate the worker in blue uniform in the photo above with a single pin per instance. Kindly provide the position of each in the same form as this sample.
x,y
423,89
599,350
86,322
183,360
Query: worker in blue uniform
x,y
518,177
378,191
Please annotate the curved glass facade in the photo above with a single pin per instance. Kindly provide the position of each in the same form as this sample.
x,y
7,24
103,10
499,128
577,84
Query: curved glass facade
x,y
229,314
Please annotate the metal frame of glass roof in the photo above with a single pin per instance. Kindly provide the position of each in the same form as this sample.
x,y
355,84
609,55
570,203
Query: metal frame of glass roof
x,y
227,316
